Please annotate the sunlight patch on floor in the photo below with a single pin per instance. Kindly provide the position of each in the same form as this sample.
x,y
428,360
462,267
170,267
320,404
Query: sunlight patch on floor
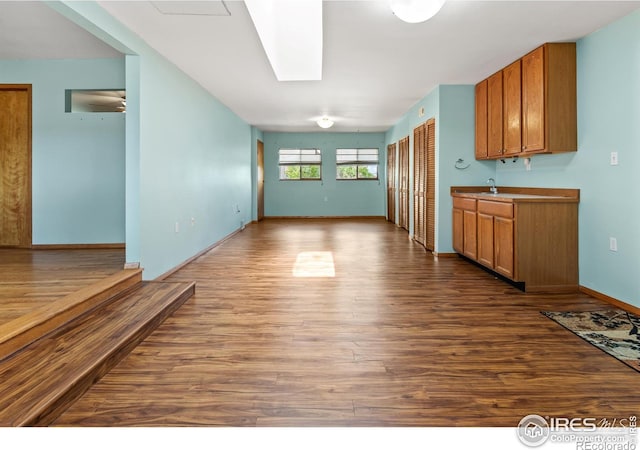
x,y
314,264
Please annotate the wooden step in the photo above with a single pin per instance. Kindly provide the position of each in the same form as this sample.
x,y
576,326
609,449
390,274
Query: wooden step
x,y
23,330
42,380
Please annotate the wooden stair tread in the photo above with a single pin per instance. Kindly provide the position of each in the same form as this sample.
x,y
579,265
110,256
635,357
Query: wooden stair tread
x,y
19,332
43,379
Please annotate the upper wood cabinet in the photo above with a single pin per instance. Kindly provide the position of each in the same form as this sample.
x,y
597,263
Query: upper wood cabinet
x,y
494,116
512,108
481,120
549,99
531,105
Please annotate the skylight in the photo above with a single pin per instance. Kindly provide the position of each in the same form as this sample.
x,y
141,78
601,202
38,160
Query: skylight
x,y
291,35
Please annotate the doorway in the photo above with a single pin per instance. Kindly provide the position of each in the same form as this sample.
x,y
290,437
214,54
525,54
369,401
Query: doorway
x,y
260,181
15,165
391,183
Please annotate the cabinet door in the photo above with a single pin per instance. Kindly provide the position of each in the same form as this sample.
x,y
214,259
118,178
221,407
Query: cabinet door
x,y
533,119
503,240
470,235
481,120
485,240
512,109
494,115
458,230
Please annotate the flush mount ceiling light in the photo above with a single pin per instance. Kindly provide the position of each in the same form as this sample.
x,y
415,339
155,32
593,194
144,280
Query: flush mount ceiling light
x,y
291,35
415,11
324,122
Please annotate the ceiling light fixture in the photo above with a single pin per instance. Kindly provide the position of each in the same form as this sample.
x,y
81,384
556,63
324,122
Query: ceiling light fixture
x,y
291,35
325,122
415,11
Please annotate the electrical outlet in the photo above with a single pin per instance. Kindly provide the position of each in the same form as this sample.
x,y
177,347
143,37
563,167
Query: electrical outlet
x,y
613,244
193,221
614,158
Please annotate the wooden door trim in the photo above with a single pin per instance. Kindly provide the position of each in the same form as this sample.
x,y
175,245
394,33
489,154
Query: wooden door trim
x,y
28,238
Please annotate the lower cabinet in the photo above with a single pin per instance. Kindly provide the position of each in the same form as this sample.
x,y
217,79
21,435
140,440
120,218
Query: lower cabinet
x,y
527,239
458,230
485,240
503,245
470,235
495,236
464,227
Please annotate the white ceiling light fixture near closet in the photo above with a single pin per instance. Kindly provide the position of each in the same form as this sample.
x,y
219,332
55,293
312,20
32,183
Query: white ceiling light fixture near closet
x,y
415,11
291,35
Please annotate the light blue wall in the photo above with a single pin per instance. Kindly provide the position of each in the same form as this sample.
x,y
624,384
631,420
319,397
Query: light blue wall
x,y
453,107
328,197
194,154
78,159
608,120
457,140
196,164
132,172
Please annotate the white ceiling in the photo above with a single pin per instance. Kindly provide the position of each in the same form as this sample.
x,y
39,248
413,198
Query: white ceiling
x,y
32,30
375,66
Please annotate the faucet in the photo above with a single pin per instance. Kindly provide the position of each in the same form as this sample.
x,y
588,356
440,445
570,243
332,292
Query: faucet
x,y
492,188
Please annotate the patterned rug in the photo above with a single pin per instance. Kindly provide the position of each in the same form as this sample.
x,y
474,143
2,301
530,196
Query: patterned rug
x,y
613,331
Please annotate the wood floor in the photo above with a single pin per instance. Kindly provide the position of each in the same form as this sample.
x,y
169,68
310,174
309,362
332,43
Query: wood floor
x,y
30,279
395,338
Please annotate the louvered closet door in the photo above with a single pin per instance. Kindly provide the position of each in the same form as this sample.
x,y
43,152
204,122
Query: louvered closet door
x,y
391,183
430,218
419,183
403,207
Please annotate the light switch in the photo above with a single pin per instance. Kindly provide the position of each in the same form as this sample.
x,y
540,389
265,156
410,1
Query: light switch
x,y
614,158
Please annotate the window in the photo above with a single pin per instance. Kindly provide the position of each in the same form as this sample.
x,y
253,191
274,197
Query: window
x,y
357,164
300,164
95,101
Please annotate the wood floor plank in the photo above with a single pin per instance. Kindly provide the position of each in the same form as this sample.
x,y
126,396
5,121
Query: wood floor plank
x,y
40,381
31,279
395,338
52,315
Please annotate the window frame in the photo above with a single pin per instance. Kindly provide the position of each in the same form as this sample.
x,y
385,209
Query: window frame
x,y
357,162
300,163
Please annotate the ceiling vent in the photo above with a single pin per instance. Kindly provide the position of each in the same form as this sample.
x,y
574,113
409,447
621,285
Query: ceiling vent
x,y
192,8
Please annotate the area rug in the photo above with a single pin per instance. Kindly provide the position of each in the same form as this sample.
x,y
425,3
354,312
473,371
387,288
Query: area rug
x,y
613,331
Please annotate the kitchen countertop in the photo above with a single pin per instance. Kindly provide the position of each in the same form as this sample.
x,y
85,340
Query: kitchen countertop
x,y
509,194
